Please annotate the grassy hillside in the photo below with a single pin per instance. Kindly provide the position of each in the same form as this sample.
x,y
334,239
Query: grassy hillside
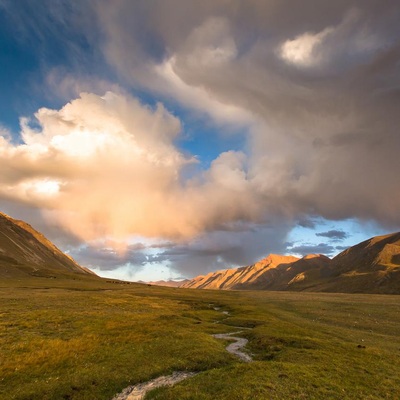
x,y
82,339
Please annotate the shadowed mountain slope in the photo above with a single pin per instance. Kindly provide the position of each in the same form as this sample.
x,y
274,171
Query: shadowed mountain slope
x,y
26,252
372,266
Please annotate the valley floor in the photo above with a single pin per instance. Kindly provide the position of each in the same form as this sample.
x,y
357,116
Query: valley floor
x,y
90,339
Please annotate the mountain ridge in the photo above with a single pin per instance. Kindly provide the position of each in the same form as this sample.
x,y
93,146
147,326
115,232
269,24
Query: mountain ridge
x,y
168,283
372,266
26,252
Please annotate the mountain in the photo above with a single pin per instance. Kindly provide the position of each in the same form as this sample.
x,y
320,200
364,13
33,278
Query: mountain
x,y
274,272
372,266
253,276
26,252
169,283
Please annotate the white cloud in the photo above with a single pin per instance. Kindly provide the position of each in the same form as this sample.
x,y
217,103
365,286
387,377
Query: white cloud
x,y
42,187
351,39
303,50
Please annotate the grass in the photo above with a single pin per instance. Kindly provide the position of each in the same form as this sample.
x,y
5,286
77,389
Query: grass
x,y
89,339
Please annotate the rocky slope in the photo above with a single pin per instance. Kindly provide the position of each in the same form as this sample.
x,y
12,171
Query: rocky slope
x,y
372,266
26,252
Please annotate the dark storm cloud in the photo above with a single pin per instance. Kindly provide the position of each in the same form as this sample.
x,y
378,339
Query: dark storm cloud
x,y
306,223
222,249
106,258
333,234
321,77
216,250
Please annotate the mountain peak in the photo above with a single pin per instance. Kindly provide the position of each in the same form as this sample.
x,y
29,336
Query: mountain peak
x,y
311,256
277,259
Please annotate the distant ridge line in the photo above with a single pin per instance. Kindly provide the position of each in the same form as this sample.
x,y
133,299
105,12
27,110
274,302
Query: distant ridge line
x,y
372,266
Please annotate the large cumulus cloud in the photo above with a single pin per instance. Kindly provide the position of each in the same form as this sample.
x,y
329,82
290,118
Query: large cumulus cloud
x,y
108,166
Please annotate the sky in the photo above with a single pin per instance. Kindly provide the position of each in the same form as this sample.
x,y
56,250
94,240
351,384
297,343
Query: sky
x,y
165,139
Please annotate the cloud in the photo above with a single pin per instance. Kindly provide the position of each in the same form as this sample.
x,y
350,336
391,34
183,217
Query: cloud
x,y
313,89
64,85
304,249
221,249
33,215
317,141
208,49
301,51
334,43
197,97
306,223
333,234
104,256
207,252
107,166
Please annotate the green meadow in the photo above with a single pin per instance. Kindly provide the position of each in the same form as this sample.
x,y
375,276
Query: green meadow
x,y
89,339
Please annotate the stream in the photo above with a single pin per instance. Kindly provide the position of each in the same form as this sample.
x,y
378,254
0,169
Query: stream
x,y
137,392
234,348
